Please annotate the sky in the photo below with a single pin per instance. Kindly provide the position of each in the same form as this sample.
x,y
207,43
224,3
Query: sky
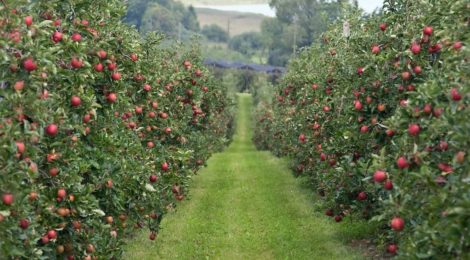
x,y
370,5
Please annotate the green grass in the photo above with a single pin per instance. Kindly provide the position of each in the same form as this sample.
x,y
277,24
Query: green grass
x,y
247,205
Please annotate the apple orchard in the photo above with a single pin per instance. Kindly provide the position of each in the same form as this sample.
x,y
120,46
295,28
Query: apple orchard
x,y
100,131
378,123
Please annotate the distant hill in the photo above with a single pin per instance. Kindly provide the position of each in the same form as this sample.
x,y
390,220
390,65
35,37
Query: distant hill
x,y
236,22
222,2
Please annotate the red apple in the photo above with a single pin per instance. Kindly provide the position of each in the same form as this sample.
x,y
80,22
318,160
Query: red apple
x,y
44,239
132,125
102,54
28,20
402,163
112,66
435,48
360,71
165,166
99,67
7,199
375,49
76,63
443,145
364,129
163,115
86,118
437,112
417,70
460,157
427,30
134,57
138,110
405,75
153,178
152,235
397,224
51,130
61,193
57,36
111,97
445,167
427,108
380,176
329,212
455,94
362,196
415,48
20,147
392,249
19,85
52,234
75,101
147,87
414,129
383,27
53,171
116,76
338,218
358,105
76,37
29,65
24,224
457,45
388,185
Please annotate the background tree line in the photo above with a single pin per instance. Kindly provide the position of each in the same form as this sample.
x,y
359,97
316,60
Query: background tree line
x,y
298,23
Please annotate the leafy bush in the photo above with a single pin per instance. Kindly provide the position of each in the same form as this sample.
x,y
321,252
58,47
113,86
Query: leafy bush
x,y
377,119
215,33
246,43
100,130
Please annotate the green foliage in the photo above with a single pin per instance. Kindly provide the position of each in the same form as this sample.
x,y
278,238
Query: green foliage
x,y
159,18
215,33
161,15
344,111
247,43
148,112
221,52
298,24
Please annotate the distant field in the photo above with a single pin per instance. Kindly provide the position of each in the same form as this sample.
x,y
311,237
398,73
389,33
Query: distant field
x,y
239,22
222,2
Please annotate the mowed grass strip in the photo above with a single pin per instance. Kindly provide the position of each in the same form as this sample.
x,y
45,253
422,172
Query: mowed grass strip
x,y
247,205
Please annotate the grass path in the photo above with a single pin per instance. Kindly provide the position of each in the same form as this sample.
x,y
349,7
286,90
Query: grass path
x,y
246,205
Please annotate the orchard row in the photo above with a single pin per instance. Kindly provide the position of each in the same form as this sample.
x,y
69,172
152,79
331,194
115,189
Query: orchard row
x,y
377,118
100,129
